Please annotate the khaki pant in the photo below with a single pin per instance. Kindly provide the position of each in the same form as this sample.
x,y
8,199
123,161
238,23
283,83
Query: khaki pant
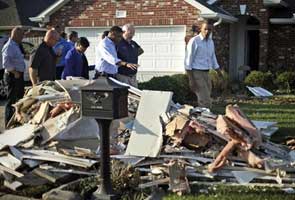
x,y
131,80
200,84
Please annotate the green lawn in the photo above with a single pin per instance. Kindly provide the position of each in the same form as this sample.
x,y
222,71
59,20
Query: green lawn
x,y
280,109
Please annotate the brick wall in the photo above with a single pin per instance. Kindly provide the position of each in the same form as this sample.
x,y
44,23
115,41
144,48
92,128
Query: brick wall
x,y
256,9
282,46
221,41
100,13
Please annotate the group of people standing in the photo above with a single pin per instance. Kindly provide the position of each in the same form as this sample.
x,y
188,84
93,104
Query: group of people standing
x,y
57,58
117,56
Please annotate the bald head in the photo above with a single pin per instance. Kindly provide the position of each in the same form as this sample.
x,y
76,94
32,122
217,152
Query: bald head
x,y
128,32
51,37
17,34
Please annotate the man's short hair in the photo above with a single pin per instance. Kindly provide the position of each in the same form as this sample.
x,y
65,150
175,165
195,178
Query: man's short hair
x,y
83,42
104,34
73,34
116,29
126,27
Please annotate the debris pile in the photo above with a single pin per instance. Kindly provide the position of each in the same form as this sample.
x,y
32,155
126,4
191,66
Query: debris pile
x,y
162,143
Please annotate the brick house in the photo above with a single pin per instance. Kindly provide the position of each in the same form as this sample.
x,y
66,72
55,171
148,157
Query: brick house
x,y
257,33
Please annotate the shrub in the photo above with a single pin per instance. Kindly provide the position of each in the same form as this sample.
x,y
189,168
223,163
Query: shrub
x,y
220,85
286,81
260,79
179,85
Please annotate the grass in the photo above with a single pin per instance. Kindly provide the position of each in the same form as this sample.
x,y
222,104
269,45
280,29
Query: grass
x,y
279,109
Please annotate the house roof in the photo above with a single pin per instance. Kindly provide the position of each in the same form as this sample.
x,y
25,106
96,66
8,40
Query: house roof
x,y
211,11
43,17
17,12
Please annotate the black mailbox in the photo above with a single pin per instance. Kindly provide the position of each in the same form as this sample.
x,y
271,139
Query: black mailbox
x,y
104,99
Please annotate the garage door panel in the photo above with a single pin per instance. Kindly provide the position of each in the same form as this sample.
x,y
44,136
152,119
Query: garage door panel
x,y
164,47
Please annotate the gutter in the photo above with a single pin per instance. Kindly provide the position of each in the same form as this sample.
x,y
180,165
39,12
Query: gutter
x,y
215,15
43,17
283,20
275,3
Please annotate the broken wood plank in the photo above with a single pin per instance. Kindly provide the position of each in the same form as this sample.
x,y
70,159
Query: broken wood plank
x,y
57,157
52,177
12,185
10,161
10,171
154,183
18,154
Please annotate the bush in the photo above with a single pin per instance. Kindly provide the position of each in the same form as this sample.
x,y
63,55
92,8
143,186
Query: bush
x,y
220,85
286,81
260,79
179,85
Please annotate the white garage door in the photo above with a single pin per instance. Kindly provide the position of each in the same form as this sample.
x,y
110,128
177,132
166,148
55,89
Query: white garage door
x,y
164,47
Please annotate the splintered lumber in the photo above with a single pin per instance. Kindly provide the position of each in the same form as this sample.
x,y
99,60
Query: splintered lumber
x,y
231,131
234,113
222,156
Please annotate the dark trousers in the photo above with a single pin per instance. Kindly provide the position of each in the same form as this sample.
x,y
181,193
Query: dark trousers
x,y
16,89
59,71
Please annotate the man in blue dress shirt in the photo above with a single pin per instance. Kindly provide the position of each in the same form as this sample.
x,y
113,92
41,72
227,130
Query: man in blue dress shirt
x,y
200,58
75,64
14,65
109,61
61,49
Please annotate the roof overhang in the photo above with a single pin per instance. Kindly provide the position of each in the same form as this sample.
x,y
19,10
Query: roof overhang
x,y
44,17
275,3
283,20
208,13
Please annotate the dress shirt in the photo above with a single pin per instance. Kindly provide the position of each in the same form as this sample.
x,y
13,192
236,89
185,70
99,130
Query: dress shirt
x,y
200,54
73,64
109,59
12,57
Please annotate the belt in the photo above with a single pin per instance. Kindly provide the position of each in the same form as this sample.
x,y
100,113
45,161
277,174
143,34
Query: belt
x,y
97,74
202,70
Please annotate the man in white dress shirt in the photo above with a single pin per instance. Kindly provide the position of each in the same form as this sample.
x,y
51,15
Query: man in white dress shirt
x,y
200,58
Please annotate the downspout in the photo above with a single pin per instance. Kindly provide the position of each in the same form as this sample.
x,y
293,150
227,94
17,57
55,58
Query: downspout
x,y
218,22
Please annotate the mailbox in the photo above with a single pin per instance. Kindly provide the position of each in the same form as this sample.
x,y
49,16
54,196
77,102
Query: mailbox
x,y
104,99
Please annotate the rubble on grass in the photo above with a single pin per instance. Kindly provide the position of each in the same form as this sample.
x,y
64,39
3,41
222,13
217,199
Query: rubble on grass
x,y
160,143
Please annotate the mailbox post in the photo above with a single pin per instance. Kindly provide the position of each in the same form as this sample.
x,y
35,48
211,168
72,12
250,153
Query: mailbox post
x,y
104,100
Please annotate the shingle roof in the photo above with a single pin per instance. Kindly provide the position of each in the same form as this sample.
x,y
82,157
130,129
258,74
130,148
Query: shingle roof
x,y
17,12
